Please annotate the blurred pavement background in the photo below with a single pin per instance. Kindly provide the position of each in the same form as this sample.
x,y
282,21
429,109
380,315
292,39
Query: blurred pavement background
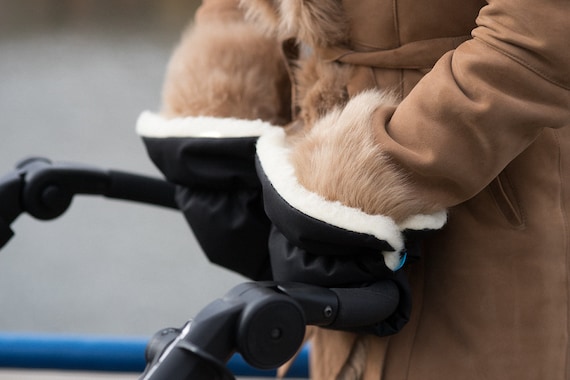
x,y
74,76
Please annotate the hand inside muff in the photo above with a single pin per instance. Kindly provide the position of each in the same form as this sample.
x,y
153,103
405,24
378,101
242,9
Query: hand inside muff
x,y
316,241
212,162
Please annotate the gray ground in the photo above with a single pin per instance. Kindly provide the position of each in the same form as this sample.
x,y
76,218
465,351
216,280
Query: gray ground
x,y
74,75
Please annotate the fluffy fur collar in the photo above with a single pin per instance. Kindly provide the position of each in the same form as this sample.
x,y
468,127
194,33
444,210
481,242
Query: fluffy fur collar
x,y
314,22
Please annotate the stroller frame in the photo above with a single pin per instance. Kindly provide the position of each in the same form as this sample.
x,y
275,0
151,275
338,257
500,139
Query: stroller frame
x,y
263,321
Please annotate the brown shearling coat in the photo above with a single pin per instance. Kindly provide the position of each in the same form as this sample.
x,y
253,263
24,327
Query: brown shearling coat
x,y
483,130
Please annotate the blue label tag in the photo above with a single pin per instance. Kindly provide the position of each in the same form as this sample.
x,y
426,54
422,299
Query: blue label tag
x,y
403,257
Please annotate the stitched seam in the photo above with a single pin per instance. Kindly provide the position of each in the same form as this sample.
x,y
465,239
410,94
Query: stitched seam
x,y
516,200
508,197
396,20
565,221
525,64
499,199
399,43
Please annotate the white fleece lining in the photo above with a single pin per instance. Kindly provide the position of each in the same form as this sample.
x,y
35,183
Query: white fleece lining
x,y
153,125
434,221
274,158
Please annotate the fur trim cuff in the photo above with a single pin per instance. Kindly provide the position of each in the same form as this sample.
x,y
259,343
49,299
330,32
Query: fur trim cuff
x,y
273,152
152,125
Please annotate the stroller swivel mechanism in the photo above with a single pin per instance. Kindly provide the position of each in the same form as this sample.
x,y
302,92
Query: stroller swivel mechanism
x,y
264,321
45,190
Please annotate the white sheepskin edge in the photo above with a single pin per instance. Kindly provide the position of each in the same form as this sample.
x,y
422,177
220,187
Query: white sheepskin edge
x,y
274,158
433,221
153,125
273,154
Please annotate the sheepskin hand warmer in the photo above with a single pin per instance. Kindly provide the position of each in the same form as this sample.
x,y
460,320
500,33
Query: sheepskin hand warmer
x,y
250,214
321,227
212,162
326,243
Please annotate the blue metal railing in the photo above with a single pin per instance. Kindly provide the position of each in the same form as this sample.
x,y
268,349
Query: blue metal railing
x,y
103,354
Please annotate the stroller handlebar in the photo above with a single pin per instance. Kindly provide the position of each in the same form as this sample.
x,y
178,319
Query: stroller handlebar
x,y
263,321
45,190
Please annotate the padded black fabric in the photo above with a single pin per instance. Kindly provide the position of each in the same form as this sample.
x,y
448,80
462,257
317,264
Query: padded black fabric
x,y
220,197
290,262
244,225
312,234
231,227
214,163
304,249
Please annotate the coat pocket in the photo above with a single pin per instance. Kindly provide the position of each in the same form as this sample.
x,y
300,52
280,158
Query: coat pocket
x,y
506,200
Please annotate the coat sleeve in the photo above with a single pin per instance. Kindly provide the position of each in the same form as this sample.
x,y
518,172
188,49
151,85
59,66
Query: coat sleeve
x,y
225,66
480,106
211,161
225,84
484,103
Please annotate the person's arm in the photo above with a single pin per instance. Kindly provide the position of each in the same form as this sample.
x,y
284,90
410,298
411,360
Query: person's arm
x,y
225,85
480,106
224,66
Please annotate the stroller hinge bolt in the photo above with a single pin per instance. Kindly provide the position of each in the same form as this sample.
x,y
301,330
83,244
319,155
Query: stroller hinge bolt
x,y
276,333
